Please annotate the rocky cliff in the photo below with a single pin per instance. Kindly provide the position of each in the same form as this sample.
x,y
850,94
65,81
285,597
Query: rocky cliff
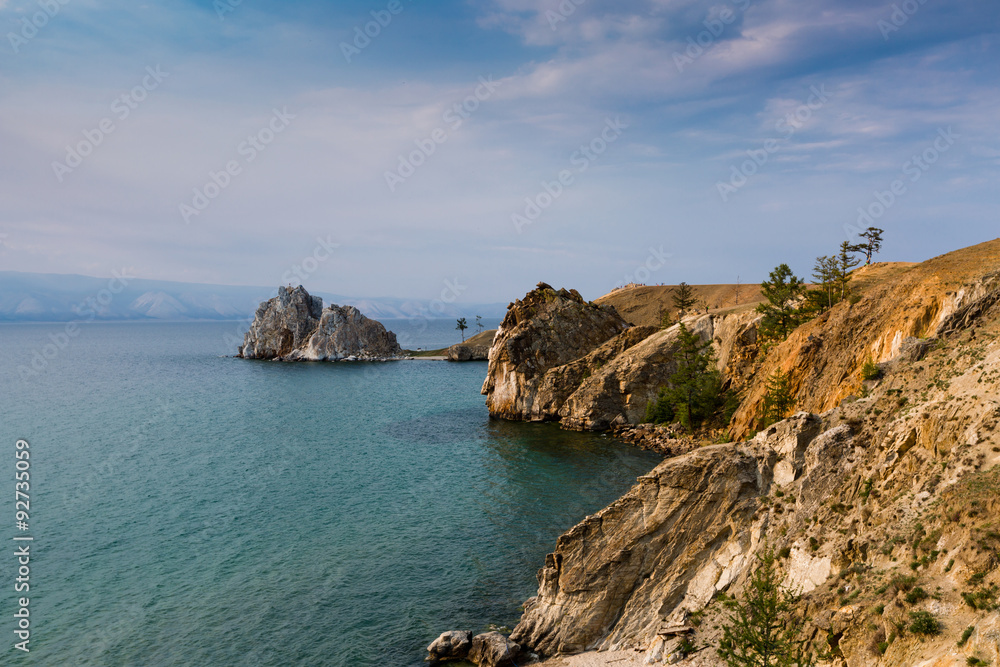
x,y
556,358
881,503
546,329
295,327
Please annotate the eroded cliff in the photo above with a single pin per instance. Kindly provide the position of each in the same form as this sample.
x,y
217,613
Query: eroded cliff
x,y
546,329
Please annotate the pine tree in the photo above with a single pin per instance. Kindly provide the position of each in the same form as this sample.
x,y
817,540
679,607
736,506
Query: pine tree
x,y
462,326
778,400
825,274
873,243
479,323
761,629
781,313
845,264
683,299
695,391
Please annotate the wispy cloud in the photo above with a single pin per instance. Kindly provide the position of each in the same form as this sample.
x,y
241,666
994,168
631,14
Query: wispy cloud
x,y
562,74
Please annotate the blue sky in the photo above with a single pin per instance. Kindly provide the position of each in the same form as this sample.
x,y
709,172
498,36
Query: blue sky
x,y
696,141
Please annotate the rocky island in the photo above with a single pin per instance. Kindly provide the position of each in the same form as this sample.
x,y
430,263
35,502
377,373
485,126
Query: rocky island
x,y
879,497
294,326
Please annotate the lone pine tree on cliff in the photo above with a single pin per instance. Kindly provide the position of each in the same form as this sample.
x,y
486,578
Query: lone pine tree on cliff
x,y
872,243
462,326
683,299
761,629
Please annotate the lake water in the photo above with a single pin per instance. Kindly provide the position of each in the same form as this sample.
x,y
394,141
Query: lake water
x,y
193,509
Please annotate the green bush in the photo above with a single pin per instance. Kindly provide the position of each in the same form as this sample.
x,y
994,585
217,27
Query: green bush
x,y
916,595
870,371
966,634
924,623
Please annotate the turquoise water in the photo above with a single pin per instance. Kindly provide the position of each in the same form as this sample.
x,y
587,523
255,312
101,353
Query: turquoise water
x,y
192,509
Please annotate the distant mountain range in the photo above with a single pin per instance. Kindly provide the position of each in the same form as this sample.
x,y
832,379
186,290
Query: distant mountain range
x,y
41,297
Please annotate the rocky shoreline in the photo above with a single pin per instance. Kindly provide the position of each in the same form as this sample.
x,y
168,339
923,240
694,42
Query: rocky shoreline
x,y
882,488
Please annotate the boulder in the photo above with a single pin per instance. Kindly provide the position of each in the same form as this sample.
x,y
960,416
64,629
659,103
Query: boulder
x,y
294,327
454,645
492,649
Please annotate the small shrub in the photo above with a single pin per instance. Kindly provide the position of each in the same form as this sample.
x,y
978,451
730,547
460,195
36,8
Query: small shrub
x,y
870,371
903,583
966,634
924,623
916,595
785,552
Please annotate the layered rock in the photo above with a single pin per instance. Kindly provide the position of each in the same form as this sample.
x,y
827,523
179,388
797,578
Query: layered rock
x,y
623,578
294,327
613,380
546,329
623,387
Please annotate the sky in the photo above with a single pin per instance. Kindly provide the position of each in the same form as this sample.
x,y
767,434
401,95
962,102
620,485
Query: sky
x,y
418,149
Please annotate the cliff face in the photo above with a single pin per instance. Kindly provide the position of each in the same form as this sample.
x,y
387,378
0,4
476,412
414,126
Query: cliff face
x,y
546,329
881,507
294,327
589,373
901,304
